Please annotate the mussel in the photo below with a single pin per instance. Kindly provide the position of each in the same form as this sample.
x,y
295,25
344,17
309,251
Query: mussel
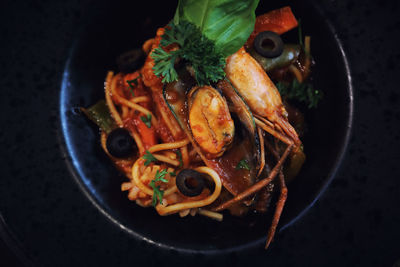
x,y
236,139
210,121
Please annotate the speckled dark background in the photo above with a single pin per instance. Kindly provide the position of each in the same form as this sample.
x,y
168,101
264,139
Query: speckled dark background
x,y
355,223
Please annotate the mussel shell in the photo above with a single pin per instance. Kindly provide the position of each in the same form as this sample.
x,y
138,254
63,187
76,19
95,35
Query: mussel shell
x,y
245,145
210,121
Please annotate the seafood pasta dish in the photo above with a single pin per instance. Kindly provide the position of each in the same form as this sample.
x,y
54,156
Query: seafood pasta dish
x,y
206,118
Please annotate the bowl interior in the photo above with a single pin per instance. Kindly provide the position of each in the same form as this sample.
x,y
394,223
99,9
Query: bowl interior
x,y
124,28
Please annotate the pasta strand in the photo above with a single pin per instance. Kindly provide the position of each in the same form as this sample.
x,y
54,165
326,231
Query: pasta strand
x,y
110,104
167,210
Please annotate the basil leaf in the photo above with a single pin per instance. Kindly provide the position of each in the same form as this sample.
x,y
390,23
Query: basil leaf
x,y
228,23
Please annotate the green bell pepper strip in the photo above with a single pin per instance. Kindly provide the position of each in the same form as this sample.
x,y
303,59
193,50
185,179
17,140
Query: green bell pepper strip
x,y
100,114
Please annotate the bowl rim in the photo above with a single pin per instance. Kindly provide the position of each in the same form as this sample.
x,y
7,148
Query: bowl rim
x,y
349,123
70,157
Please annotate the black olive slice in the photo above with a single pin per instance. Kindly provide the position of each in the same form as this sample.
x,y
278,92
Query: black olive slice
x,y
120,143
131,60
268,44
190,182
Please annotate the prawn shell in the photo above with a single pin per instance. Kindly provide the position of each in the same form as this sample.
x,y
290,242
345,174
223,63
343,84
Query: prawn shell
x,y
254,85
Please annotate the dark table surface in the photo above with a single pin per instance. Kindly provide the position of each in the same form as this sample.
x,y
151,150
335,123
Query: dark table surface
x,y
355,223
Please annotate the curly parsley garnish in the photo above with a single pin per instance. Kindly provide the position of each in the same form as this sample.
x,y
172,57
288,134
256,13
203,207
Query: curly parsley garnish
x,y
157,192
302,92
243,164
205,32
147,120
149,158
195,48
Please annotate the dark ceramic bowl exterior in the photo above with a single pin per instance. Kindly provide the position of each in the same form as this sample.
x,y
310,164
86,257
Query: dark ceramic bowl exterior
x,y
94,54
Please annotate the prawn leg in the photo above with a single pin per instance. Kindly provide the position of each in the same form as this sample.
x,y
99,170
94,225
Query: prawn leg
x,y
259,185
278,210
274,133
281,201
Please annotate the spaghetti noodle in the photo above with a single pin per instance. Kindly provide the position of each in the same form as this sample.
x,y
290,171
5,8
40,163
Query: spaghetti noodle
x,y
198,149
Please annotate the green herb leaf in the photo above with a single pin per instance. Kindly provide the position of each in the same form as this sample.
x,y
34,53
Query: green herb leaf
x,y
206,33
243,164
160,176
200,52
149,158
228,23
147,120
157,192
172,174
132,84
165,64
302,92
179,154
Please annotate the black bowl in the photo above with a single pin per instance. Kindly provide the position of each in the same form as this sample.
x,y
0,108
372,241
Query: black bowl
x,y
125,27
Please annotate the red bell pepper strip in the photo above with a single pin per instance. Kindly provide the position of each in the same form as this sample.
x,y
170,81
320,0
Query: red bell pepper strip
x,y
147,135
278,21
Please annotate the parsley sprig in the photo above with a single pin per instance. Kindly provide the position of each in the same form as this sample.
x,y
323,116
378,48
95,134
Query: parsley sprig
x,y
147,120
157,192
243,164
302,92
179,154
200,52
149,158
132,84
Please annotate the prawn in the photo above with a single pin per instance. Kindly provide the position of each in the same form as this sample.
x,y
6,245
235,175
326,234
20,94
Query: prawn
x,y
260,93
264,100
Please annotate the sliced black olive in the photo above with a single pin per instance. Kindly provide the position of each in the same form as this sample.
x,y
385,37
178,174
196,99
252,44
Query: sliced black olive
x,y
268,44
120,143
131,60
289,55
190,182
